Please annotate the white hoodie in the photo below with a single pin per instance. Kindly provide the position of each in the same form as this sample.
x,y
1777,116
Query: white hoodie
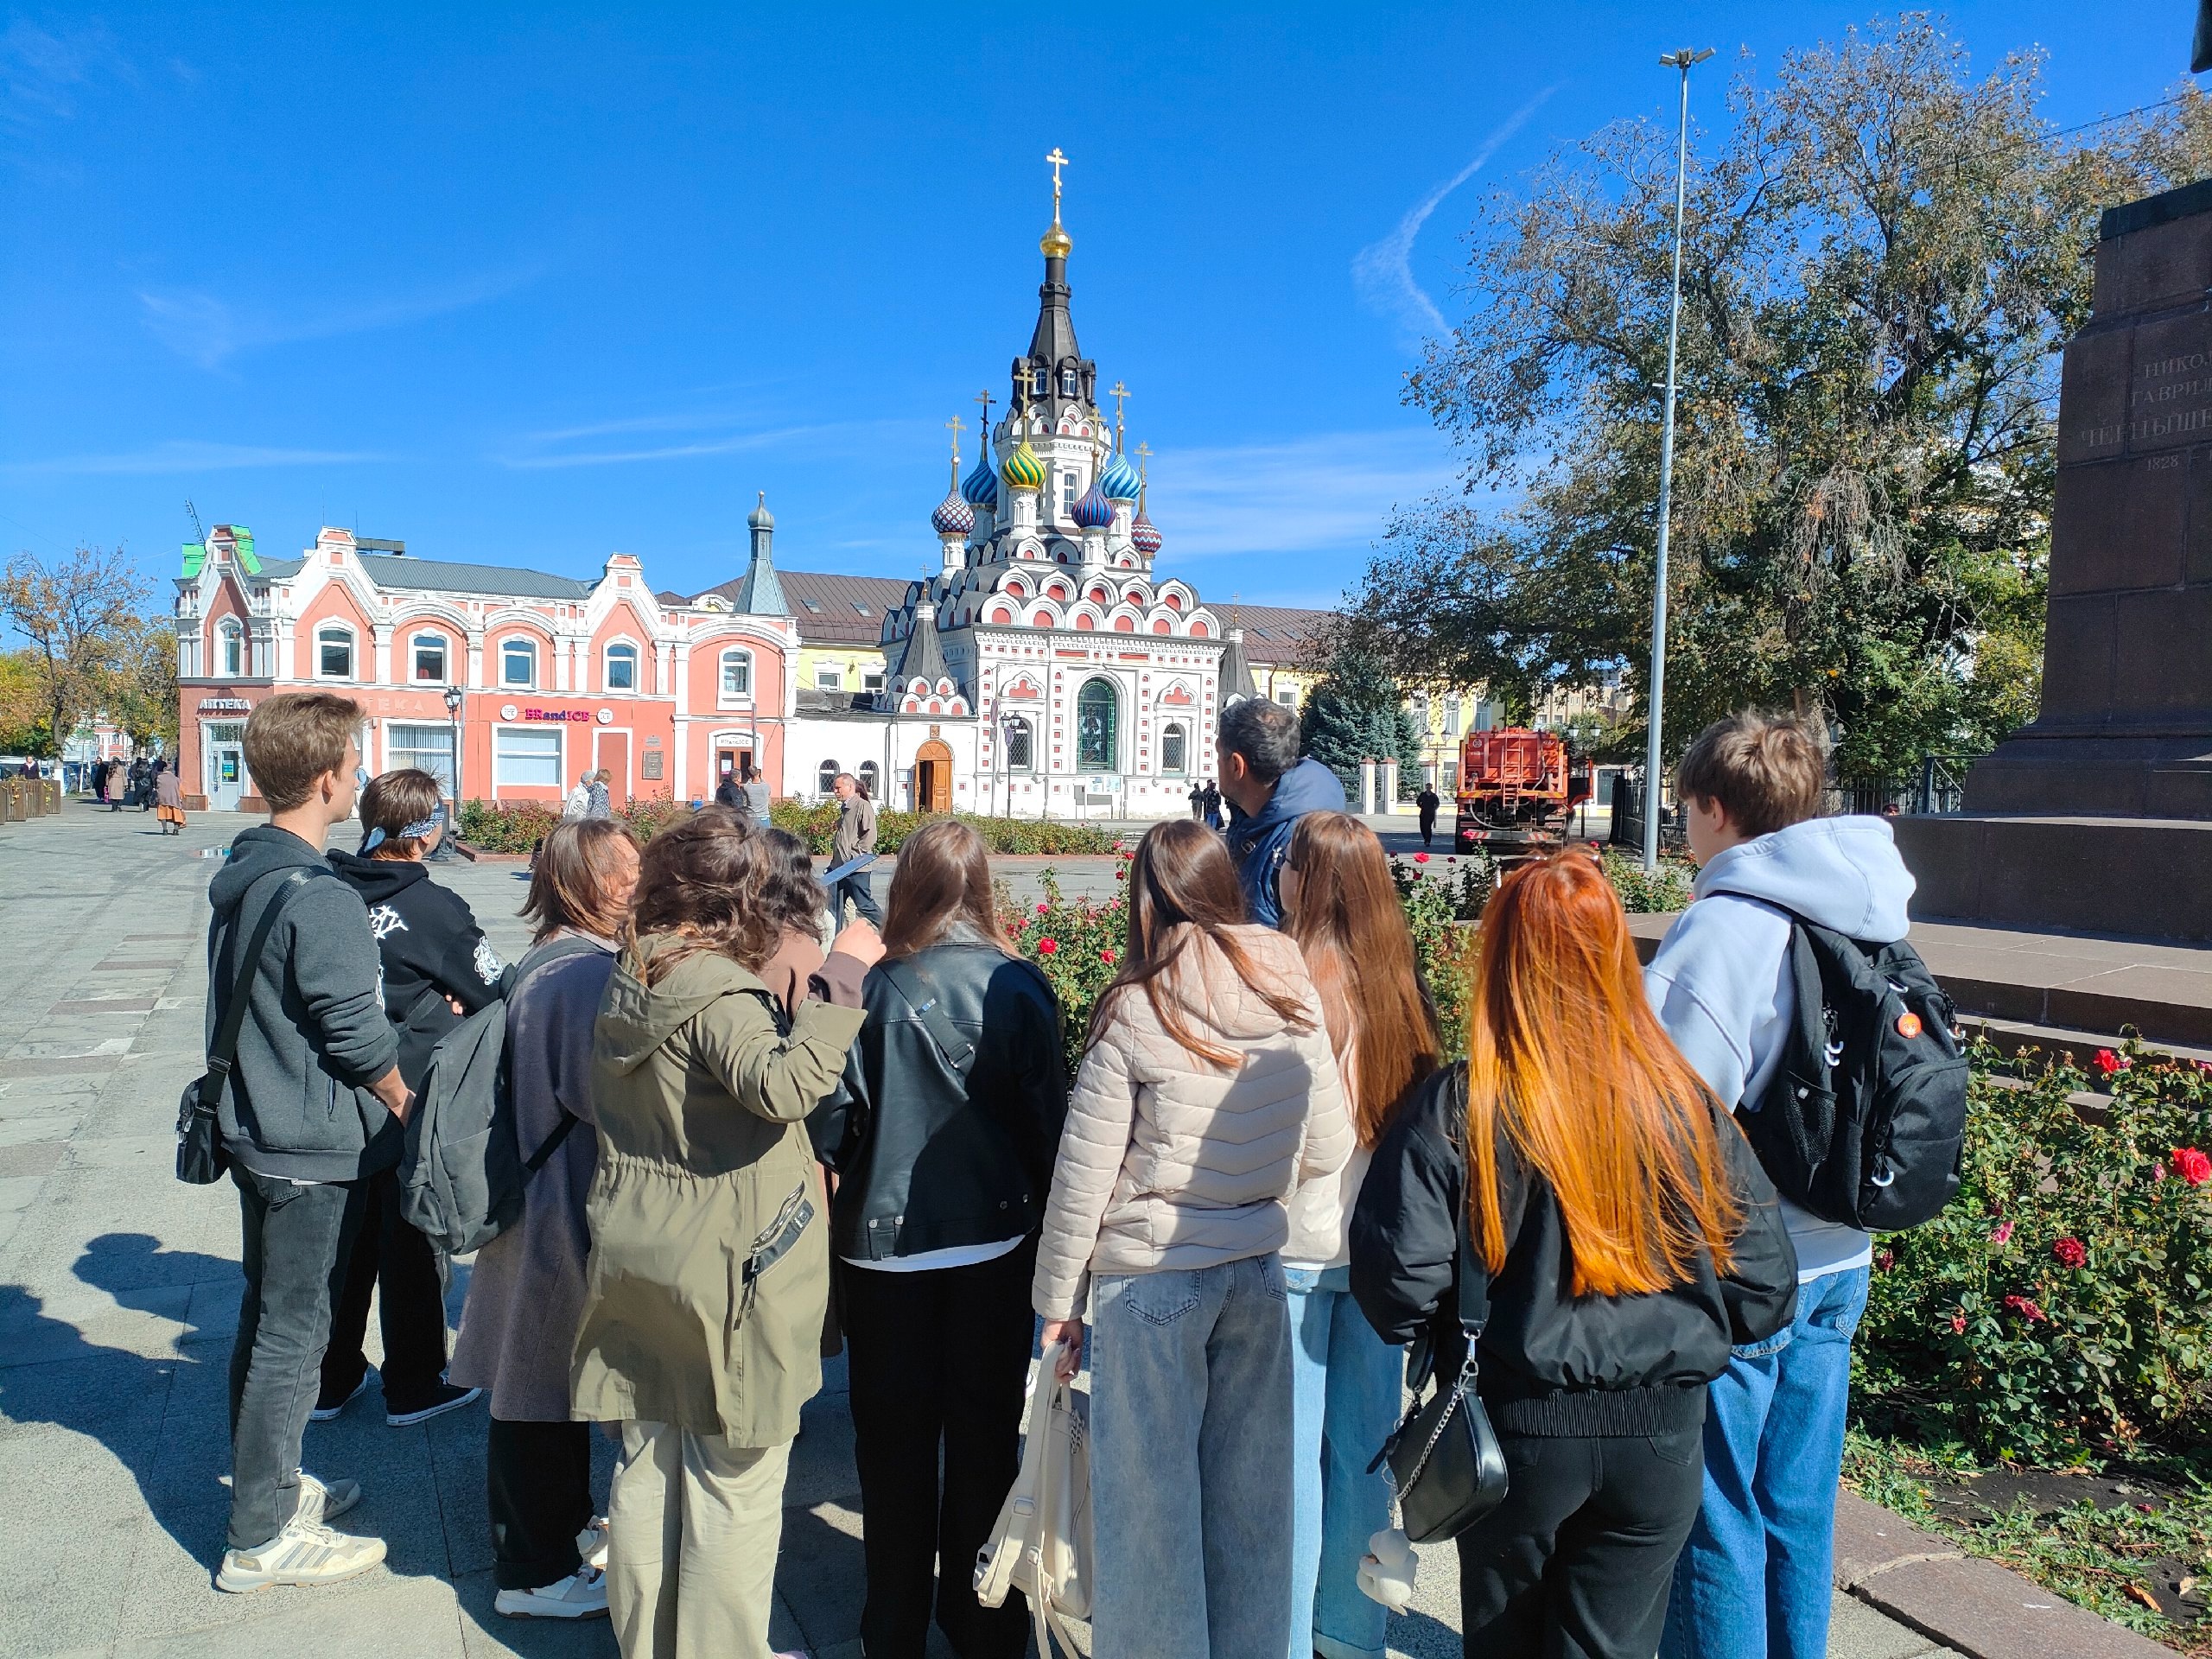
x,y
1721,984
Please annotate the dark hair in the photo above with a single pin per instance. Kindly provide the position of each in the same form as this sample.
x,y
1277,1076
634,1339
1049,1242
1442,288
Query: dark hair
x,y
570,884
1264,733
701,879
292,739
1182,888
1349,923
793,898
1765,771
393,800
944,878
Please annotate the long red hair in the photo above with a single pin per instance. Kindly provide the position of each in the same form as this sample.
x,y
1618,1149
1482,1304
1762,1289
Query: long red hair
x,y
1566,1060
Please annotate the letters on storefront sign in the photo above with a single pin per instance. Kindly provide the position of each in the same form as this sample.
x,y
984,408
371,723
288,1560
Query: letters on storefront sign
x,y
581,714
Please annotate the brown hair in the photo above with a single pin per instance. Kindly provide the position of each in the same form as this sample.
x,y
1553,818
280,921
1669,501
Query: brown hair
x,y
944,878
393,800
1183,887
572,884
295,737
701,880
1765,771
794,897
1349,923
1566,1061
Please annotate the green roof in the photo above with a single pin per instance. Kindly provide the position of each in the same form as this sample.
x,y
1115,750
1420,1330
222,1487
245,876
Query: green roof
x,y
196,556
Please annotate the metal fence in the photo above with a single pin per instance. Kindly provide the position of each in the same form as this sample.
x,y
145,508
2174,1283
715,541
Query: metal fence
x,y
1628,817
1939,786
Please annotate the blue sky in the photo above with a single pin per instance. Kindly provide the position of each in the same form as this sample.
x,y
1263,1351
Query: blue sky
x,y
532,285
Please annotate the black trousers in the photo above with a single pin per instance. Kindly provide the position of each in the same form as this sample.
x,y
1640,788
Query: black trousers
x,y
858,888
1427,827
293,1241
1577,1562
389,1254
537,1487
939,1359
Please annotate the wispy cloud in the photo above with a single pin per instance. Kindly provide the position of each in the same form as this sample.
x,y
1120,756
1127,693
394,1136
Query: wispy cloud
x,y
1333,491
1383,270
207,330
191,455
43,74
708,436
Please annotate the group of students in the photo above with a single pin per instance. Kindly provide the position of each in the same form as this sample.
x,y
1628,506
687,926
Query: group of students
x,y
1263,1182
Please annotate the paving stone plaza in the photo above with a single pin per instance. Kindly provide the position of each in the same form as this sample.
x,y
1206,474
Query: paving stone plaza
x,y
118,1296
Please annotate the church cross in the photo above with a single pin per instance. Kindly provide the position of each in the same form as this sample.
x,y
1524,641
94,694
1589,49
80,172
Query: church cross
x,y
956,426
1144,454
1056,161
1120,395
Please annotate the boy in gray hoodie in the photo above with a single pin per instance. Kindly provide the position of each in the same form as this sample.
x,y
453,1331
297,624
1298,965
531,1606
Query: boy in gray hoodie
x,y
313,1103
1754,1578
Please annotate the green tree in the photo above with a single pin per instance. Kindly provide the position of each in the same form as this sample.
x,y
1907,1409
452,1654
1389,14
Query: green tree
x,y
137,688
1357,712
1883,254
78,614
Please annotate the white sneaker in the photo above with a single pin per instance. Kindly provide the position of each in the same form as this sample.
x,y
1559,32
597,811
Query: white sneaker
x,y
592,1541
582,1594
320,1500
323,1414
302,1553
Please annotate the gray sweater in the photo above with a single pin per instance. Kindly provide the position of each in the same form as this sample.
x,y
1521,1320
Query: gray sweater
x,y
315,1033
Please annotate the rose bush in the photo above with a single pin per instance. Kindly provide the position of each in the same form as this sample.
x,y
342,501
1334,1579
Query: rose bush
x,y
517,826
2062,1306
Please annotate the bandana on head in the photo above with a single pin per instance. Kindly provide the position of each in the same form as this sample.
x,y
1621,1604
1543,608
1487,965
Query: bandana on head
x,y
414,831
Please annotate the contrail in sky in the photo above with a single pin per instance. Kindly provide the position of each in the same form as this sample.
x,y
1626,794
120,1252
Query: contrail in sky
x,y
1383,270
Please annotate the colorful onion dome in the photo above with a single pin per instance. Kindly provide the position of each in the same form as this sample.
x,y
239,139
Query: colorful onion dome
x,y
982,487
1023,470
953,517
1144,535
1094,512
1119,481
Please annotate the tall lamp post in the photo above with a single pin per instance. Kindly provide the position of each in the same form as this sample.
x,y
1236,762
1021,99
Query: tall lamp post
x,y
454,695
1683,60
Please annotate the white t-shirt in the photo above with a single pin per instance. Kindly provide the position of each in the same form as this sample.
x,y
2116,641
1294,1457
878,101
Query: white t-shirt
x,y
953,1255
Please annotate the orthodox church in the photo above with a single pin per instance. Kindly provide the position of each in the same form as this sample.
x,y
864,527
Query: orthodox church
x,y
1046,669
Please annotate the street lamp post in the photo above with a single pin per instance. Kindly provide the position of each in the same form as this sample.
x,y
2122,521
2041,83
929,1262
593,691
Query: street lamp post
x,y
454,697
1683,60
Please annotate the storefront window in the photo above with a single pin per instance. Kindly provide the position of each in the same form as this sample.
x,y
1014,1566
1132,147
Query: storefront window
x,y
427,749
525,757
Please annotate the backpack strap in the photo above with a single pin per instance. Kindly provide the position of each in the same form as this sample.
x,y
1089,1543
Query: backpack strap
x,y
222,1053
912,981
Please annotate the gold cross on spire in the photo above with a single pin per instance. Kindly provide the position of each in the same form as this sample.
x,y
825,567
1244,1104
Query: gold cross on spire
x,y
1056,161
1120,394
956,426
1144,454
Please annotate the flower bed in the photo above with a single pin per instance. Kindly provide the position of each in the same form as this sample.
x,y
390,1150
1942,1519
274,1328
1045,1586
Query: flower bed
x,y
518,826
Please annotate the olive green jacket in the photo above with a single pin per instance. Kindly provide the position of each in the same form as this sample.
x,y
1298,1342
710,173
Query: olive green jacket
x,y
710,1265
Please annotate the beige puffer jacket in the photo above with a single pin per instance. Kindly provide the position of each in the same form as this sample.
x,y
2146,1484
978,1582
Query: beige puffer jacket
x,y
1169,1161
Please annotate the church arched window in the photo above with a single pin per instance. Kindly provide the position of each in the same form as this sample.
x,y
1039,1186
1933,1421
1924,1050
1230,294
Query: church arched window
x,y
1097,722
1021,745
1067,383
825,778
1172,746
1039,381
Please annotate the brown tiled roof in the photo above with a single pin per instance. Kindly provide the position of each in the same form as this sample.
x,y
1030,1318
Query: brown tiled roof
x,y
825,605
1275,635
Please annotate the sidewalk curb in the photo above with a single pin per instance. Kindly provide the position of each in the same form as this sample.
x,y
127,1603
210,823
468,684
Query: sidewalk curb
x,y
1984,1610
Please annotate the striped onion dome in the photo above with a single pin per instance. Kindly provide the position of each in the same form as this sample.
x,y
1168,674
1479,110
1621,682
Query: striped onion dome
x,y
953,517
1144,535
1094,512
1119,481
1023,470
981,486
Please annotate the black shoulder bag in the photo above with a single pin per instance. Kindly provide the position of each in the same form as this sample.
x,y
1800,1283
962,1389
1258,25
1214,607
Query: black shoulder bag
x,y
914,984
200,1158
1445,1462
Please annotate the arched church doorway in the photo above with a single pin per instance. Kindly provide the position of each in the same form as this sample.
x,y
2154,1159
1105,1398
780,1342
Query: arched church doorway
x,y
933,777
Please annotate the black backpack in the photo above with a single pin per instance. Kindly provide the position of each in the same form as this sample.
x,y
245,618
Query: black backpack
x,y
1865,1122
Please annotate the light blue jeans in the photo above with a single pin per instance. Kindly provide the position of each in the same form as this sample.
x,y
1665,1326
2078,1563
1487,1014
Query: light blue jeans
x,y
1756,1578
1190,1464
1346,1383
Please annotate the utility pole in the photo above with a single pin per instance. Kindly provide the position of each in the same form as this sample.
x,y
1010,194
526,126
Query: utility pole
x,y
1683,60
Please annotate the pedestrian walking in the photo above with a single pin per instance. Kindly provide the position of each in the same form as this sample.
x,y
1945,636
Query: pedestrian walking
x,y
142,783
601,803
118,786
526,1291
311,1107
943,1137
731,793
1270,789
437,968
1198,801
708,1274
854,838
578,803
1622,1236
1212,806
1346,1383
99,781
1425,804
1755,1578
171,795
1207,1092
756,794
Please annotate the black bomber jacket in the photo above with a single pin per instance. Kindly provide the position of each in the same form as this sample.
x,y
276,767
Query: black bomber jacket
x,y
1552,1362
925,1160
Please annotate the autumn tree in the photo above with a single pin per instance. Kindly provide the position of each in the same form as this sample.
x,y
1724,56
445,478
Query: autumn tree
x,y
1883,254
137,688
78,614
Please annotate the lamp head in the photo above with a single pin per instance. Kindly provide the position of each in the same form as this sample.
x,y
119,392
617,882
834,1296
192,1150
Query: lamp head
x,y
453,699
1685,59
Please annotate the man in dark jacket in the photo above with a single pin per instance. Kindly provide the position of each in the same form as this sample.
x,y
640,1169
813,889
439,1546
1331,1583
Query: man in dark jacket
x,y
313,1104
1270,789
731,793
1427,802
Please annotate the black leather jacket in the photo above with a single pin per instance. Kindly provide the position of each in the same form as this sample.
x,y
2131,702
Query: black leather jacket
x,y
926,1161
1554,1363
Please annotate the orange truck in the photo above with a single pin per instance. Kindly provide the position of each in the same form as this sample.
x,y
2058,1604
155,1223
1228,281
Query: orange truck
x,y
1516,779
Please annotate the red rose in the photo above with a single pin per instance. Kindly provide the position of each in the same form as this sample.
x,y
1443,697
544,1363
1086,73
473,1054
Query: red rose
x,y
1421,858
1106,956
2070,1251
1045,947
1120,872
2002,1233
2027,1308
1884,1260
1042,909
1958,1323
2192,1166
2107,1062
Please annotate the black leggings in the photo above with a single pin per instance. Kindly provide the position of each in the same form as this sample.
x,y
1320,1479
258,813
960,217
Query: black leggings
x,y
1577,1563
537,1490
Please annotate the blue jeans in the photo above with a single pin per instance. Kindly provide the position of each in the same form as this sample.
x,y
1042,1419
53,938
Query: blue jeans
x,y
1346,1383
1190,1464
1756,1579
